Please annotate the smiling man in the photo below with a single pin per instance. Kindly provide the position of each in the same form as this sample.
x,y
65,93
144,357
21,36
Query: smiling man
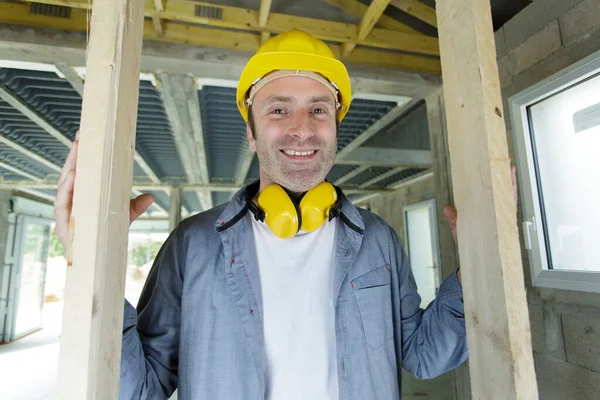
x,y
288,291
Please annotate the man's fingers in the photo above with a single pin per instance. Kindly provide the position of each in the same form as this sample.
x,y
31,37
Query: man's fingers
x,y
63,205
70,162
139,205
450,214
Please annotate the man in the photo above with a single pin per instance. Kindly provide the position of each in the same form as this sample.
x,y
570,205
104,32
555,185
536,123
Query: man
x,y
288,291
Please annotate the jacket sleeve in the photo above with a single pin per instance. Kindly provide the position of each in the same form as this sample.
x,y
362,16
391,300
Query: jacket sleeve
x,y
149,356
433,340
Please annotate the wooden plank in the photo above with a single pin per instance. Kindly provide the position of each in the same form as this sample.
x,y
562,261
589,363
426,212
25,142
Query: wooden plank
x,y
90,343
18,14
175,204
417,9
359,9
159,28
248,20
263,15
367,23
498,331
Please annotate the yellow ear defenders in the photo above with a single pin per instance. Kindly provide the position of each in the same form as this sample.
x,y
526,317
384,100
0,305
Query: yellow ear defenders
x,y
286,216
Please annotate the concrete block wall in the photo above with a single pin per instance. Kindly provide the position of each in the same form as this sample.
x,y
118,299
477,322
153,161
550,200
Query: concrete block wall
x,y
543,39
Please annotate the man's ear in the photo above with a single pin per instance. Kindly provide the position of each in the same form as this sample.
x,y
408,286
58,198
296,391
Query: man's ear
x,y
251,141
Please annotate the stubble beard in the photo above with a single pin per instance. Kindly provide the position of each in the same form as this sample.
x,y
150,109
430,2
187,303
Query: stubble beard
x,y
297,178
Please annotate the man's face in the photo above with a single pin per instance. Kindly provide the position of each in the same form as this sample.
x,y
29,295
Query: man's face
x,y
295,135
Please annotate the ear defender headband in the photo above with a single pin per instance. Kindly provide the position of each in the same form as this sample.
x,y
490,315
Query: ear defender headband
x,y
286,216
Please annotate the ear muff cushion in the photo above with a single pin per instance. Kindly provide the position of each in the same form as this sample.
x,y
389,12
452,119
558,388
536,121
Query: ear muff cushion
x,y
281,215
315,206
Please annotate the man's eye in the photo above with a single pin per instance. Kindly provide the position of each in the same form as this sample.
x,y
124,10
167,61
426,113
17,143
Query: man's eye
x,y
319,111
277,111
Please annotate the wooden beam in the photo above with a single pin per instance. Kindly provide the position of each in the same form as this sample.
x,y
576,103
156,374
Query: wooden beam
x,y
71,76
90,342
263,16
417,9
384,157
248,20
174,208
159,28
496,316
18,14
359,9
367,23
180,99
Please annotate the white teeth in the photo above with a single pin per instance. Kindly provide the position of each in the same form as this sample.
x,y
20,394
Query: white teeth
x,y
298,153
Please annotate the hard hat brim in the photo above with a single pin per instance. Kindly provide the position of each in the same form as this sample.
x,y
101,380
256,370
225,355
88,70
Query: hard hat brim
x,y
264,63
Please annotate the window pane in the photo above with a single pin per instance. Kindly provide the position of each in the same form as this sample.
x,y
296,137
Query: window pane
x,y
566,135
421,252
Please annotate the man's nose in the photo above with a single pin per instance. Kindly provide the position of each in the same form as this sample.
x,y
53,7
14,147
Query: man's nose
x,y
301,126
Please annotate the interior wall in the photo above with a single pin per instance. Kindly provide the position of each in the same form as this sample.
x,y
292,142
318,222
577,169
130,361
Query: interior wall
x,y
546,37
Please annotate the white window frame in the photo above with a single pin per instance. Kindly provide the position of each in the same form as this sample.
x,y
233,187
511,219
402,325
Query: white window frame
x,y
533,229
435,237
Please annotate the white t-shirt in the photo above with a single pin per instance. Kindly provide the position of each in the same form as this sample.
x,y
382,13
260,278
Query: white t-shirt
x,y
299,313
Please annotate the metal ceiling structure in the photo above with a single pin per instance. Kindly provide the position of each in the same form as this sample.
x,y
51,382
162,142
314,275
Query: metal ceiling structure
x,y
189,132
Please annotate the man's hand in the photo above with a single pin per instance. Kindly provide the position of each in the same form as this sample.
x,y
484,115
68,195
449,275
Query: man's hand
x,y
451,214
63,204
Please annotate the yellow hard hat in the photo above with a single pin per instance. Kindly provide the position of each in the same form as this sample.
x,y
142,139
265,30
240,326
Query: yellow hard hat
x,y
295,50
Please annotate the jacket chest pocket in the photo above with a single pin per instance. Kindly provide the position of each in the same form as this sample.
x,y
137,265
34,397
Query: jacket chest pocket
x,y
373,296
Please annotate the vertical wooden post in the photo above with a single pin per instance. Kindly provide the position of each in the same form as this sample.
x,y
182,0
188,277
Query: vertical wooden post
x,y
174,208
90,344
498,332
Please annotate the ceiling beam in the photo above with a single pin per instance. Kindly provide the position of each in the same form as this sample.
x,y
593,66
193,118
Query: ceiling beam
x,y
355,172
247,20
159,28
71,76
25,151
186,188
263,16
381,177
180,99
19,171
379,125
423,176
367,23
417,9
77,83
32,191
7,95
40,45
359,9
243,164
384,157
